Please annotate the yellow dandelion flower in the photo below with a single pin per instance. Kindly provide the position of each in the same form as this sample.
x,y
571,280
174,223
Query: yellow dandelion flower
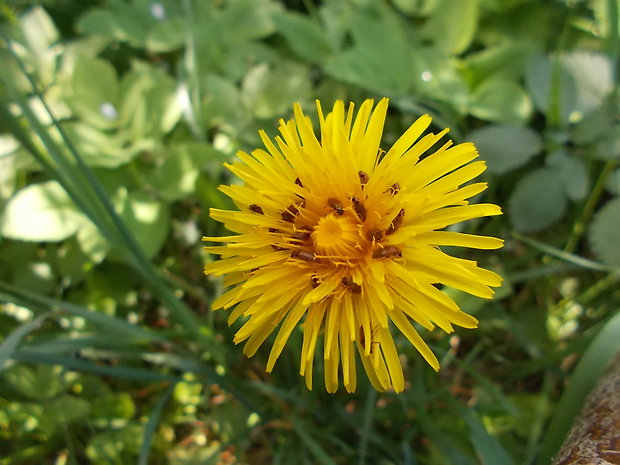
x,y
344,239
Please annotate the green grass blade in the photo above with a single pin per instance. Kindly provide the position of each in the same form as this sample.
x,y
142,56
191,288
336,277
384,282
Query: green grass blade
x,y
75,364
369,408
313,445
114,325
149,428
487,447
586,374
10,344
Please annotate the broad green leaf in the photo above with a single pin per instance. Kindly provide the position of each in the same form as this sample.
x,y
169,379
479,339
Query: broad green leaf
x,y
243,20
573,173
176,176
98,22
603,233
93,91
501,101
505,148
92,243
538,200
269,92
99,148
66,409
569,85
551,89
608,147
147,219
146,95
167,36
592,73
304,36
41,212
453,25
597,124
613,182
38,382
222,103
367,64
40,33
507,60
107,409
117,446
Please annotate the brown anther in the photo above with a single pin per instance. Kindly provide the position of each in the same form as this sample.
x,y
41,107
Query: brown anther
x,y
274,230
290,213
374,234
335,205
315,281
387,252
256,209
304,255
303,234
393,189
359,208
351,286
298,182
396,222
363,178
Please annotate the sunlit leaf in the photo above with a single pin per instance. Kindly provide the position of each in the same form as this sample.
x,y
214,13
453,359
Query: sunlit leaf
x,y
41,212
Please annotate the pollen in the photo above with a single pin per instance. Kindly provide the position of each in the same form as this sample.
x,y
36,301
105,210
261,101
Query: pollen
x,y
337,236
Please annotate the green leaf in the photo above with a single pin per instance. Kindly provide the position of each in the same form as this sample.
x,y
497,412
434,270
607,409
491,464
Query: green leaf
x,y
573,173
244,20
147,219
571,84
367,64
176,177
93,91
92,243
41,212
10,343
303,35
552,91
40,34
167,36
98,22
66,409
504,147
269,92
502,101
537,201
507,60
603,233
612,183
115,446
592,73
105,410
39,382
453,25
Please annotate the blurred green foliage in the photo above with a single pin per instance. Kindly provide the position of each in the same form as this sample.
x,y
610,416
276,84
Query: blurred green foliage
x,y
115,118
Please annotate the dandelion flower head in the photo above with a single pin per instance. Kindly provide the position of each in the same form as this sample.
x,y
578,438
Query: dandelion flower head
x,y
342,239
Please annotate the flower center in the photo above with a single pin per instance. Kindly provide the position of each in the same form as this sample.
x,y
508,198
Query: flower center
x,y
336,237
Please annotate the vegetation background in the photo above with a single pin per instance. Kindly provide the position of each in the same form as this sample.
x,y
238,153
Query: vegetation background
x,y
115,119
